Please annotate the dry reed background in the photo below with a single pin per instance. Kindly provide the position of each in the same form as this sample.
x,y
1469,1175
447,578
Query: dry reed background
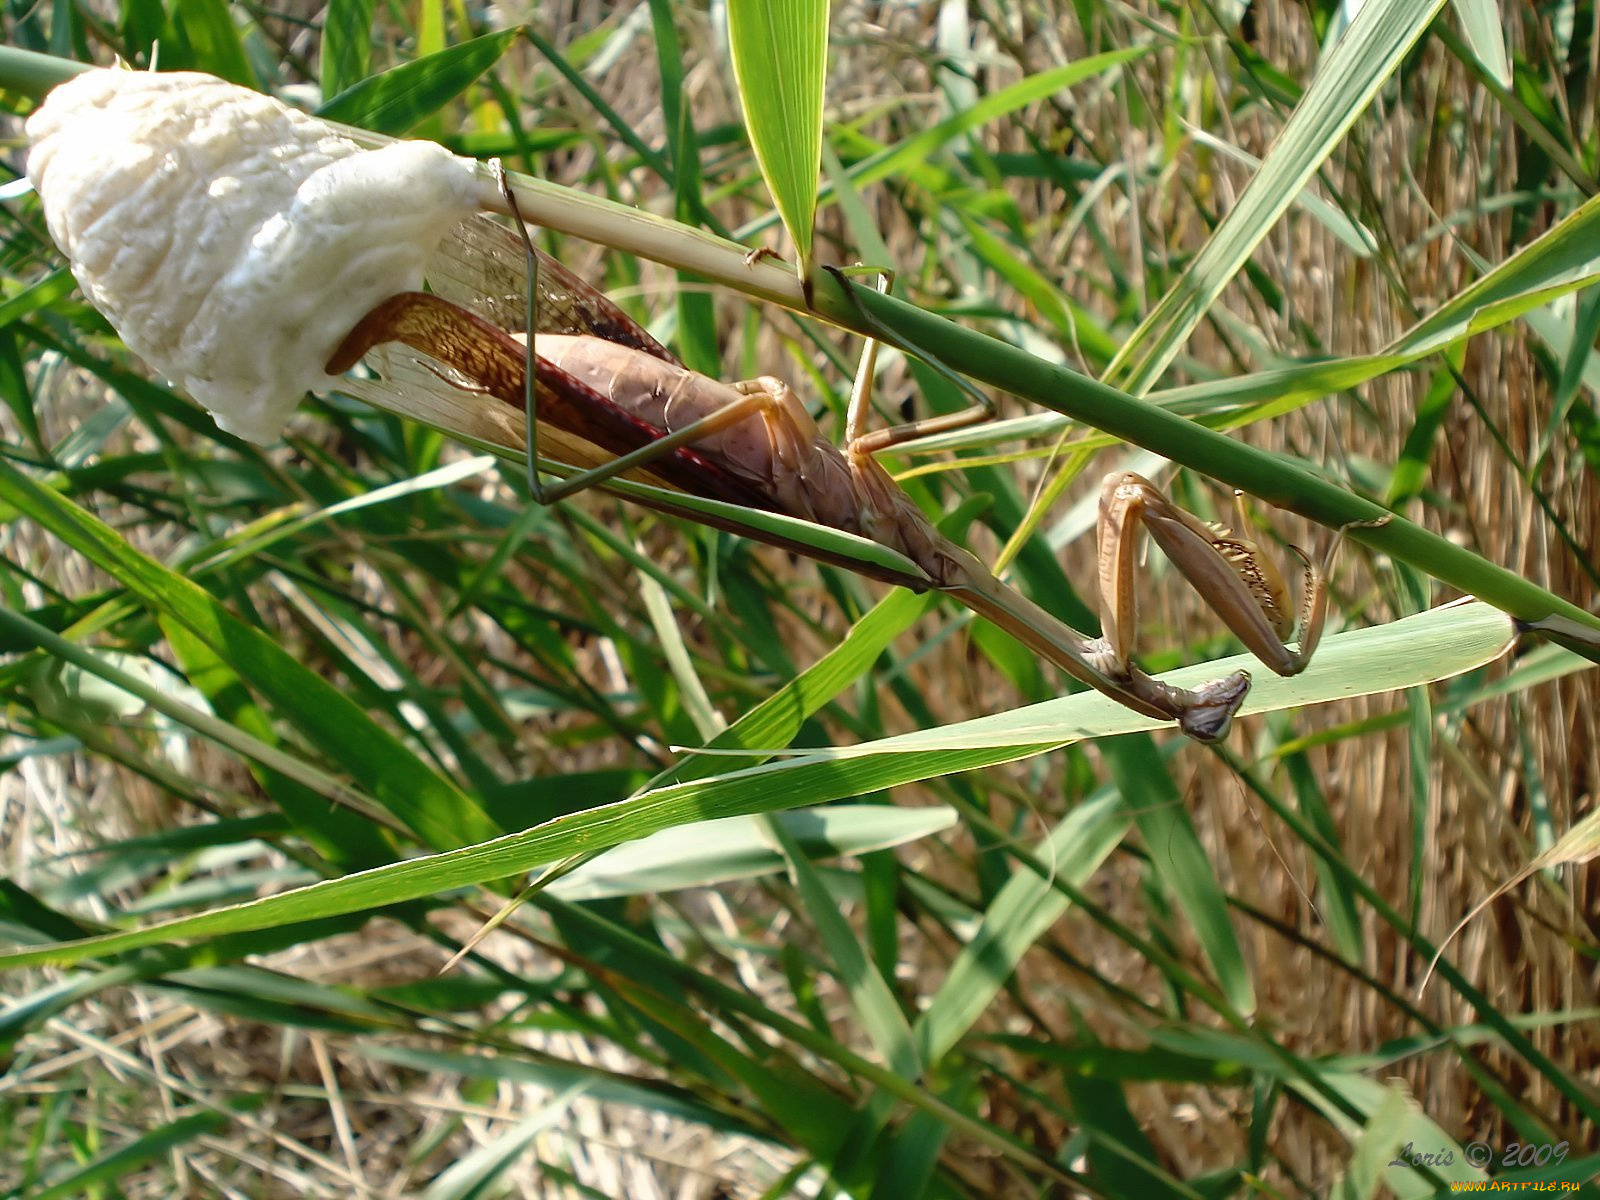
x,y
339,1121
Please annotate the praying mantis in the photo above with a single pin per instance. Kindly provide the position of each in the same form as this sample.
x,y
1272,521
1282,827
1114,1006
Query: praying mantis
x,y
587,369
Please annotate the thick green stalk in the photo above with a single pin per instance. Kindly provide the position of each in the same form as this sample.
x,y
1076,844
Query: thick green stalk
x,y
34,74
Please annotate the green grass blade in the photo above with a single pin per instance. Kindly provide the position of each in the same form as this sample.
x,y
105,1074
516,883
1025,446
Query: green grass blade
x,y
116,1164
397,100
346,44
871,997
1484,30
924,145
480,1173
712,852
1359,64
208,40
789,784
1179,865
1025,909
780,56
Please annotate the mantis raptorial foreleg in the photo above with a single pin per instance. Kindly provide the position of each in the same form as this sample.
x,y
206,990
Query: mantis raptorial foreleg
x,y
1225,566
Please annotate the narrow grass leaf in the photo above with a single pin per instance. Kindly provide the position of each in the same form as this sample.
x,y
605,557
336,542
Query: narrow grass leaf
x,y
669,640
1447,1160
1346,81
396,100
207,31
912,1161
1023,911
1373,1150
768,788
803,1105
779,50
596,1082
775,721
1564,260
697,329
858,218
1580,844
874,1003
39,295
346,44
1336,903
1483,27
1122,1161
1580,368
478,1174
902,156
116,1164
712,852
1180,863
1419,775
1354,236
1410,473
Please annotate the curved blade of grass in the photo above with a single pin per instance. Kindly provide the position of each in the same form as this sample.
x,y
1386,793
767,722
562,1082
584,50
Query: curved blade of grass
x,y
1181,868
1026,907
1378,38
1352,235
479,1172
711,852
1483,27
207,39
780,56
697,327
110,1167
551,1074
402,97
816,779
904,155
869,993
346,44
778,718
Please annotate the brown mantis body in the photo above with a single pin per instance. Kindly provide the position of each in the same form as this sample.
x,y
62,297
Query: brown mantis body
x,y
754,444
